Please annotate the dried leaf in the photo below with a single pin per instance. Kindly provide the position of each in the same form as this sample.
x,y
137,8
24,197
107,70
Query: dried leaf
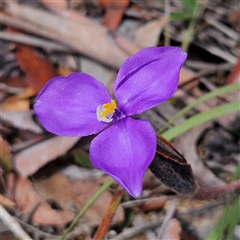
x,y
74,194
19,102
38,69
114,13
5,156
186,145
75,32
28,161
30,202
172,230
21,119
148,35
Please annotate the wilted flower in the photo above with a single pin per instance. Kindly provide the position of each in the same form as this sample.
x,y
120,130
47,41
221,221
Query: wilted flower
x,y
80,105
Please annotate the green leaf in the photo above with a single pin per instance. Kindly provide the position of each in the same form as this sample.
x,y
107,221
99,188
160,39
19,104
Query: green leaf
x,y
189,5
180,16
206,97
230,218
200,119
82,158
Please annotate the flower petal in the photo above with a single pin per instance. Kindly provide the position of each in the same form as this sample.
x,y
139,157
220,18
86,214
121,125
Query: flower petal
x,y
148,78
67,105
124,151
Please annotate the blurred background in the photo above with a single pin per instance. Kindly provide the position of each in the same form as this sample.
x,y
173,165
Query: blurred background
x,y
47,179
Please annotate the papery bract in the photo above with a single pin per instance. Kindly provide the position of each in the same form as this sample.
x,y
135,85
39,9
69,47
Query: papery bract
x,y
79,105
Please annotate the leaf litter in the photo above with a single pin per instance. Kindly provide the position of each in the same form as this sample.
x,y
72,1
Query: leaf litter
x,y
44,190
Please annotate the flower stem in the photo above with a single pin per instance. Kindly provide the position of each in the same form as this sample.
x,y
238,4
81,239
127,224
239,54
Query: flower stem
x,y
88,204
206,194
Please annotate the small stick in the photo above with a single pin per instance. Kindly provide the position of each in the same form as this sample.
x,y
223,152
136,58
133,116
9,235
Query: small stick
x,y
107,219
13,225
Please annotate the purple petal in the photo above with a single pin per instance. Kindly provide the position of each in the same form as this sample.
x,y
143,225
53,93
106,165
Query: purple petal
x,y
148,78
124,151
67,105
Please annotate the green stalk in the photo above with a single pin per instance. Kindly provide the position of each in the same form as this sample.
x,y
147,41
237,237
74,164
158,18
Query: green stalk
x,y
201,118
103,188
191,26
206,97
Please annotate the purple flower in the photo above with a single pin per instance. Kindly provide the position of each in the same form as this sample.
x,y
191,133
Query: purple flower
x,y
80,105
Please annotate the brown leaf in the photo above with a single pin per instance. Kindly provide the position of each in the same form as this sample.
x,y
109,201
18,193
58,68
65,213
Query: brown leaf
x,y
74,194
114,13
19,102
5,156
28,161
172,230
154,204
30,202
186,145
233,18
76,32
37,68
6,202
148,34
21,119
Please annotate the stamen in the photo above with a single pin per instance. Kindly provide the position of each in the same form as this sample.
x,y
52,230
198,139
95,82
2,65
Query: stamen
x,y
106,111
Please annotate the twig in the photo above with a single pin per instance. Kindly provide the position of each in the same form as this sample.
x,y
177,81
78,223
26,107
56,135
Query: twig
x,y
138,202
109,214
166,29
218,52
89,203
223,28
34,230
128,234
13,225
168,216
34,41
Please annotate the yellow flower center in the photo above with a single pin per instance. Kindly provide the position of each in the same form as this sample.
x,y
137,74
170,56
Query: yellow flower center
x,y
106,111
109,108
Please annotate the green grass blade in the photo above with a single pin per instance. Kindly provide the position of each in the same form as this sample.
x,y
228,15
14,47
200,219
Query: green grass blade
x,y
230,217
103,188
201,118
189,5
206,97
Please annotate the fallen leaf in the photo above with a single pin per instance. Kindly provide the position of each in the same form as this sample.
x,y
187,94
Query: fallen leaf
x,y
147,35
74,194
154,203
28,161
186,145
21,119
172,230
114,13
233,18
6,202
37,68
19,102
5,156
76,33
30,202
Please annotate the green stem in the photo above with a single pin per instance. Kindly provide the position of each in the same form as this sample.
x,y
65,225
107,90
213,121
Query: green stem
x,y
191,26
201,118
206,97
105,186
